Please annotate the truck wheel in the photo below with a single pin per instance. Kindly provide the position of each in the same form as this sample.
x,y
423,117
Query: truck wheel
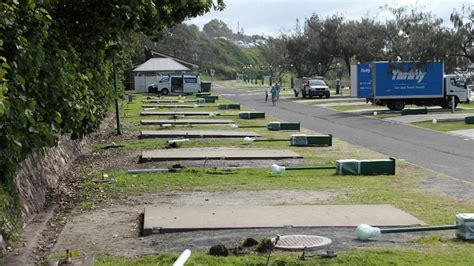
x,y
164,91
398,105
328,95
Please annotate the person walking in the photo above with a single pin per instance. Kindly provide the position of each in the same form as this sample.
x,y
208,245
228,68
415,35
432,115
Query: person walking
x,y
274,95
266,93
277,87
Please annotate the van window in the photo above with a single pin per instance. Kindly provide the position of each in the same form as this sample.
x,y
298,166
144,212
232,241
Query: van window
x,y
190,80
165,79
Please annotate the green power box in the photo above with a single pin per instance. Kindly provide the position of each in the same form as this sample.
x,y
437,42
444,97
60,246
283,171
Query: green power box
x,y
229,106
469,120
414,111
365,167
215,97
251,115
308,140
206,100
200,95
347,167
465,223
276,126
377,167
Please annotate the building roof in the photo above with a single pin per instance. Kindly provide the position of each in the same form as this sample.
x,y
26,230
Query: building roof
x,y
160,65
183,61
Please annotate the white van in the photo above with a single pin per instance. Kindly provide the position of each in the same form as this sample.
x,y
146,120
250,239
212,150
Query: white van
x,y
177,84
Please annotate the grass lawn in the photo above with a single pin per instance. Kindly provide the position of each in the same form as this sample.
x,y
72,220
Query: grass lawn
x,y
405,190
444,126
374,256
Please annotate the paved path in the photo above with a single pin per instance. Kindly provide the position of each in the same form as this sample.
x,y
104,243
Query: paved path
x,y
469,133
438,151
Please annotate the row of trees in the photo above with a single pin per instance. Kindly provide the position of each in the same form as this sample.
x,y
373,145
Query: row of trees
x,y
322,46
56,66
412,34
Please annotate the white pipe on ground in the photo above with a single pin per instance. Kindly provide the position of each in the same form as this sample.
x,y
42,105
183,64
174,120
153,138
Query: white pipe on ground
x,y
182,258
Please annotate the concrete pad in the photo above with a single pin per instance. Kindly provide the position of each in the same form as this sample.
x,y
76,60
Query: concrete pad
x,y
188,122
217,153
196,134
419,118
464,133
177,106
159,219
167,101
178,113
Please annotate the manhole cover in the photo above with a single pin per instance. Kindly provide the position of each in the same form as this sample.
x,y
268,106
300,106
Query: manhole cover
x,y
299,242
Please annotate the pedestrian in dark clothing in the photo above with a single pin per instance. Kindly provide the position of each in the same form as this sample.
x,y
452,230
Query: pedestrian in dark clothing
x,y
274,95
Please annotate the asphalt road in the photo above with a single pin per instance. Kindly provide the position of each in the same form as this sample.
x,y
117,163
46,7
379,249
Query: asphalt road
x,y
437,151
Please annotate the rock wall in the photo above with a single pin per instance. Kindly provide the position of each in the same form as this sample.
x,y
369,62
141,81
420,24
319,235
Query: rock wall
x,y
41,171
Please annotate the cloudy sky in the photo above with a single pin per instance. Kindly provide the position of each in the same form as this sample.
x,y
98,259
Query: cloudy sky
x,y
270,17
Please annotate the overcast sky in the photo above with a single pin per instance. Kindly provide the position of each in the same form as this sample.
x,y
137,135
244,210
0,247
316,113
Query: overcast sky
x,y
270,17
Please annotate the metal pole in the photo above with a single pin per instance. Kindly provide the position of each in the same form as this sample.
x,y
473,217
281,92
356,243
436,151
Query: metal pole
x,y
117,115
418,229
311,168
453,103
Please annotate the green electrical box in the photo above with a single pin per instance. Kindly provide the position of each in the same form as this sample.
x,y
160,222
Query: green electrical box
x,y
347,167
276,126
229,106
251,115
465,223
414,111
377,167
201,94
469,120
308,140
215,97
365,167
206,100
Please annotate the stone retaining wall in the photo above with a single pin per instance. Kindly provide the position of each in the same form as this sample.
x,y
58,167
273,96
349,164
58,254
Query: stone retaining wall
x,y
41,171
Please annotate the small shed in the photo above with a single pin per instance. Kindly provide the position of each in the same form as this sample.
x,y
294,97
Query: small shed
x,y
153,69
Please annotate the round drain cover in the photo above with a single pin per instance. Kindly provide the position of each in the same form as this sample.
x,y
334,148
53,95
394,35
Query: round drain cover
x,y
299,242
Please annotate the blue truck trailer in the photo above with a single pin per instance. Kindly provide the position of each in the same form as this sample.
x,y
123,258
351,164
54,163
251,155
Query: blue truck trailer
x,y
396,84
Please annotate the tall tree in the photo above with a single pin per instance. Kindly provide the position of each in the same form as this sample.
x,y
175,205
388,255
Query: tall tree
x,y
217,28
463,35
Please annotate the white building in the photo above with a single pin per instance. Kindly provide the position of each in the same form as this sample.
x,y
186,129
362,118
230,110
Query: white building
x,y
153,70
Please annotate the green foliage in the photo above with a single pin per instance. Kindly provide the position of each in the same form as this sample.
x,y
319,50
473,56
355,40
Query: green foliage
x,y
213,50
56,68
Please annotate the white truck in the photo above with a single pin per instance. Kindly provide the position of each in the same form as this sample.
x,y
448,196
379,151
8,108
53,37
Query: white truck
x,y
309,87
177,84
397,84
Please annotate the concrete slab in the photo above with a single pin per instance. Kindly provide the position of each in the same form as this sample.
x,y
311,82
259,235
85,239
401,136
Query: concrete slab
x,y
170,218
196,134
178,106
217,153
167,101
177,113
188,122
419,118
469,133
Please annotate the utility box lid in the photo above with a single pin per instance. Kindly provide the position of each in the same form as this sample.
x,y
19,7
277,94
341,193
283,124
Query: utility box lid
x,y
465,222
